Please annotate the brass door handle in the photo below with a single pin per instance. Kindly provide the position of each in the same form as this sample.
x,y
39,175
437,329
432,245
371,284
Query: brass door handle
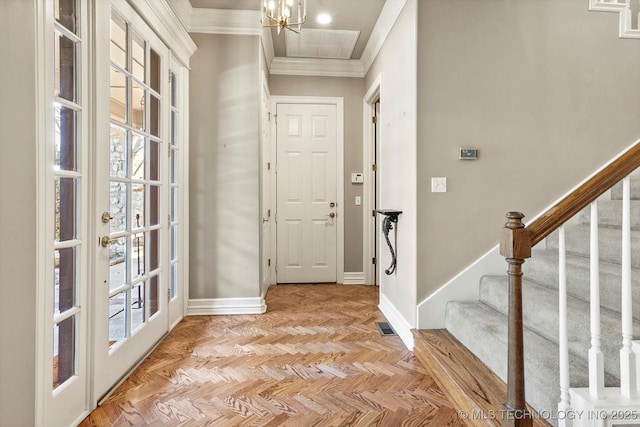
x,y
105,242
106,217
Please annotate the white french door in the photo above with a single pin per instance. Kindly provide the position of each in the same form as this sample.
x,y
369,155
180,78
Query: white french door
x,y
307,193
132,193
265,188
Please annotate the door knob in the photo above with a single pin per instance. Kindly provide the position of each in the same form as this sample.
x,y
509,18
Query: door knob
x,y
332,215
332,205
106,241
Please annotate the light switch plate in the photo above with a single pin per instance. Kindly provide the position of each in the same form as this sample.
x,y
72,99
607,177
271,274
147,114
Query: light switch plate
x,y
358,200
438,184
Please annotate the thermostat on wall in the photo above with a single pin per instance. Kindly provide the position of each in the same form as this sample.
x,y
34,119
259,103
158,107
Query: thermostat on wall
x,y
468,154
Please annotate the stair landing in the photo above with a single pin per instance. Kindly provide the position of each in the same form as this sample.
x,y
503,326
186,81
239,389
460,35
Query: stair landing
x,y
476,392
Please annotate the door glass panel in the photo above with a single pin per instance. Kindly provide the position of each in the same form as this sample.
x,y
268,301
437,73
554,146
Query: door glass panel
x,y
118,48
173,168
174,129
118,208
64,12
65,209
118,263
153,248
154,161
174,242
137,255
138,156
154,115
154,294
117,318
137,106
64,347
154,205
65,138
138,57
65,68
137,201
137,306
118,152
174,90
118,94
174,204
154,70
64,280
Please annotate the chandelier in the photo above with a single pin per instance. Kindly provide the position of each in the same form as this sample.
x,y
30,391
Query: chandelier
x,y
278,13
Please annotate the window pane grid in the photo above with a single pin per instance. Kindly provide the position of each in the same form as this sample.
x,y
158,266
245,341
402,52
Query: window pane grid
x,y
67,188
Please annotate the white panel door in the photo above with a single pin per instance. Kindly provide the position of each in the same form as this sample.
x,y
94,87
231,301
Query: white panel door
x,y
266,186
306,193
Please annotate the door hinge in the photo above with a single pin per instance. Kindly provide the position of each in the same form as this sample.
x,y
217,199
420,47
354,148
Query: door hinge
x,y
169,295
373,261
269,113
268,213
269,262
268,166
373,212
276,267
374,119
374,168
169,220
170,76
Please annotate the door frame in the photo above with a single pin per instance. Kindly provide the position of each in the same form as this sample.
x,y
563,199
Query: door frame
x,y
369,144
312,100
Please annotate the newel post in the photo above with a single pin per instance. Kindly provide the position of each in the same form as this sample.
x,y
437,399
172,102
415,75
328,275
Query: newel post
x,y
515,246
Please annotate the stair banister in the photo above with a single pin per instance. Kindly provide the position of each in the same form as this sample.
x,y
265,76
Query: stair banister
x,y
516,242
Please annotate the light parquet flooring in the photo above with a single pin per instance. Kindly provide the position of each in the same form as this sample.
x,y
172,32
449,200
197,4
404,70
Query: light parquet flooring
x,y
315,358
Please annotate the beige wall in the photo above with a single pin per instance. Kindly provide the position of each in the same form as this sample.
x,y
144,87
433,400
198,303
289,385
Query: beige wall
x,y
18,201
544,89
396,66
352,90
224,177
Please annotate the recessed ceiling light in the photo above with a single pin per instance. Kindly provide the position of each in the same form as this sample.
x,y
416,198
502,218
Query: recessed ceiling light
x,y
324,19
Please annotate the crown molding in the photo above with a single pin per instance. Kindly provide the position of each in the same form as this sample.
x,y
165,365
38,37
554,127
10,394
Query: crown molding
x,y
225,21
317,67
388,17
162,18
182,9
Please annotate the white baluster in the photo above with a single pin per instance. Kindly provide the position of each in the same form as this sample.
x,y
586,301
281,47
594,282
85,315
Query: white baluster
x,y
564,406
627,356
596,360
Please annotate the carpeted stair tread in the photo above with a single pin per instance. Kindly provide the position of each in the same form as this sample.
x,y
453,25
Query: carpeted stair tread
x,y
542,268
541,314
577,243
483,330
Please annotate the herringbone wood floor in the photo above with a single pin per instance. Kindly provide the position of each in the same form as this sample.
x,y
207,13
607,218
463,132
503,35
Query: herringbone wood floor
x,y
315,358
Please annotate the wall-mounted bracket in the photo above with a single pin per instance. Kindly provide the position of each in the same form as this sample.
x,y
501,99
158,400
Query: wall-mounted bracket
x,y
390,218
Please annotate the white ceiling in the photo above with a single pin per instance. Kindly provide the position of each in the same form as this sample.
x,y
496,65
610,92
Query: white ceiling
x,y
348,15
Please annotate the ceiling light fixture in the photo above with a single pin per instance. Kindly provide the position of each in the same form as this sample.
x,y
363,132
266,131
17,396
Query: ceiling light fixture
x,y
278,13
324,19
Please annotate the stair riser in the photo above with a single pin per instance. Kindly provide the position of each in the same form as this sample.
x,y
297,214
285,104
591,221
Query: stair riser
x,y
609,214
541,314
610,247
542,268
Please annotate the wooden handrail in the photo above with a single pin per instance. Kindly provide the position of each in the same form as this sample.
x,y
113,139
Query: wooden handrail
x,y
586,194
516,242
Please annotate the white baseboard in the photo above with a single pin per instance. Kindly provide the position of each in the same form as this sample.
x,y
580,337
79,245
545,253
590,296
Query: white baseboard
x,y
226,306
354,278
463,287
397,321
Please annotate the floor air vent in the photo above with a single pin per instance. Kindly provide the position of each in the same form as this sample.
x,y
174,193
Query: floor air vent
x,y
385,328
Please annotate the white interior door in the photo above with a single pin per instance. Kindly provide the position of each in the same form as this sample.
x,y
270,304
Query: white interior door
x,y
306,193
131,192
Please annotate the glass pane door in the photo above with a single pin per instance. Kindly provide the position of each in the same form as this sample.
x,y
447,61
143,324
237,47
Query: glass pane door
x,y
133,177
